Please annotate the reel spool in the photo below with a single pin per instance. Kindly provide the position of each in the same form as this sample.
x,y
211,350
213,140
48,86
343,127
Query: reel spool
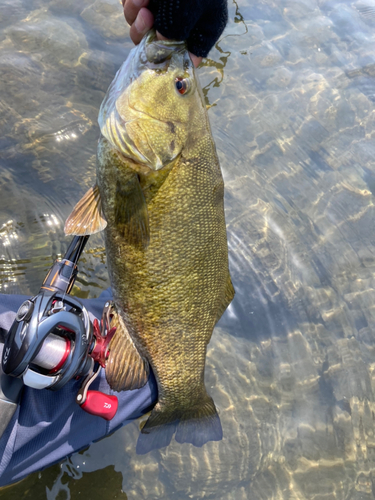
x,y
48,343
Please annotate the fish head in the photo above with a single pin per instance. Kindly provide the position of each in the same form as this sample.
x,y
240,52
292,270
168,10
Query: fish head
x,y
154,104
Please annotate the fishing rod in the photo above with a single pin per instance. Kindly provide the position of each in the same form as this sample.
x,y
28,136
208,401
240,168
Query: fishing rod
x,y
52,340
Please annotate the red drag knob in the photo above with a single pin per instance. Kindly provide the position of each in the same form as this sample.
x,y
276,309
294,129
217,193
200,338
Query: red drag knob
x,y
100,404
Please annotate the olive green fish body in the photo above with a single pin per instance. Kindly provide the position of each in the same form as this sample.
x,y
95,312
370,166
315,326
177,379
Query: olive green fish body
x,y
159,196
170,292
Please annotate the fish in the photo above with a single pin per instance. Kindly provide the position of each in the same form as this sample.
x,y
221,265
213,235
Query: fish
x,y
159,197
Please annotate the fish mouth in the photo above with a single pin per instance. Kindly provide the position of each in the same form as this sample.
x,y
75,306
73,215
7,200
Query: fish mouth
x,y
159,51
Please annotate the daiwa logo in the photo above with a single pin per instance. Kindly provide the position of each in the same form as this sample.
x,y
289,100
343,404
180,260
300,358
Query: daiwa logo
x,y
6,355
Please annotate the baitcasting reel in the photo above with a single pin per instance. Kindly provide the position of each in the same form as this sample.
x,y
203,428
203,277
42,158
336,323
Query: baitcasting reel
x,y
52,341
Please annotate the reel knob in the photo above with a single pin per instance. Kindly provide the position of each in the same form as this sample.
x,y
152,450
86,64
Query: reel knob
x,y
100,404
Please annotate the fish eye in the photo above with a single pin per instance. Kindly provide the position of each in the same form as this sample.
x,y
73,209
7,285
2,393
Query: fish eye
x,y
182,85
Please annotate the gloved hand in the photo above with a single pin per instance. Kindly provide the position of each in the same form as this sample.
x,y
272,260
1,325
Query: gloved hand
x,y
199,22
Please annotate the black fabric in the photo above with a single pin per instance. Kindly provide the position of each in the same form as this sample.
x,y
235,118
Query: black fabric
x,y
199,22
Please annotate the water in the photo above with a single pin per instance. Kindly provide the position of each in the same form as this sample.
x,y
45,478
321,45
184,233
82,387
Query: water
x,y
291,364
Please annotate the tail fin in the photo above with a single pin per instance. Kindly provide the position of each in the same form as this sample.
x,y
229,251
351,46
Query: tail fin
x,y
197,425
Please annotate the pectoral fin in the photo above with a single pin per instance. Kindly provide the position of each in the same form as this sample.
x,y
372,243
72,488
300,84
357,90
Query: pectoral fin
x,y
131,213
125,368
87,216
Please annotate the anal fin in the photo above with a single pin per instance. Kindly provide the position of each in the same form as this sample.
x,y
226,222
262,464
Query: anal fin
x,y
87,216
125,368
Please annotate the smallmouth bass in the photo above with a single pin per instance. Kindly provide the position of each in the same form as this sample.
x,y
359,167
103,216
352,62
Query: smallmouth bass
x,y
159,197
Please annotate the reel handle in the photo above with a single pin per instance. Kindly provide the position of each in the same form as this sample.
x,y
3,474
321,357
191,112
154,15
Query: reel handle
x,y
96,402
100,404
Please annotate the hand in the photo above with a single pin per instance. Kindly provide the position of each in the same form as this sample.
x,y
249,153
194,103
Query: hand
x,y
141,20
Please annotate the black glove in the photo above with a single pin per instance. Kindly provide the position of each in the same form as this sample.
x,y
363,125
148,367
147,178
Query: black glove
x,y
199,22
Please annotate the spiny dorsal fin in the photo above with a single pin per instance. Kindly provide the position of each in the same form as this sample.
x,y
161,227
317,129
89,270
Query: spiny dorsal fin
x,y
131,213
87,216
125,368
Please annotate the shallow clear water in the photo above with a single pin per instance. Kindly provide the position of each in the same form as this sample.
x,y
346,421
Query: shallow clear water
x,y
291,364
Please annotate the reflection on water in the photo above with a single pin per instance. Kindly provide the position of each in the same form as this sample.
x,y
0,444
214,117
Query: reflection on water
x,y
291,365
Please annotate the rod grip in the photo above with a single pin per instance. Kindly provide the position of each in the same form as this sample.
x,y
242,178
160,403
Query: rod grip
x,y
10,395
